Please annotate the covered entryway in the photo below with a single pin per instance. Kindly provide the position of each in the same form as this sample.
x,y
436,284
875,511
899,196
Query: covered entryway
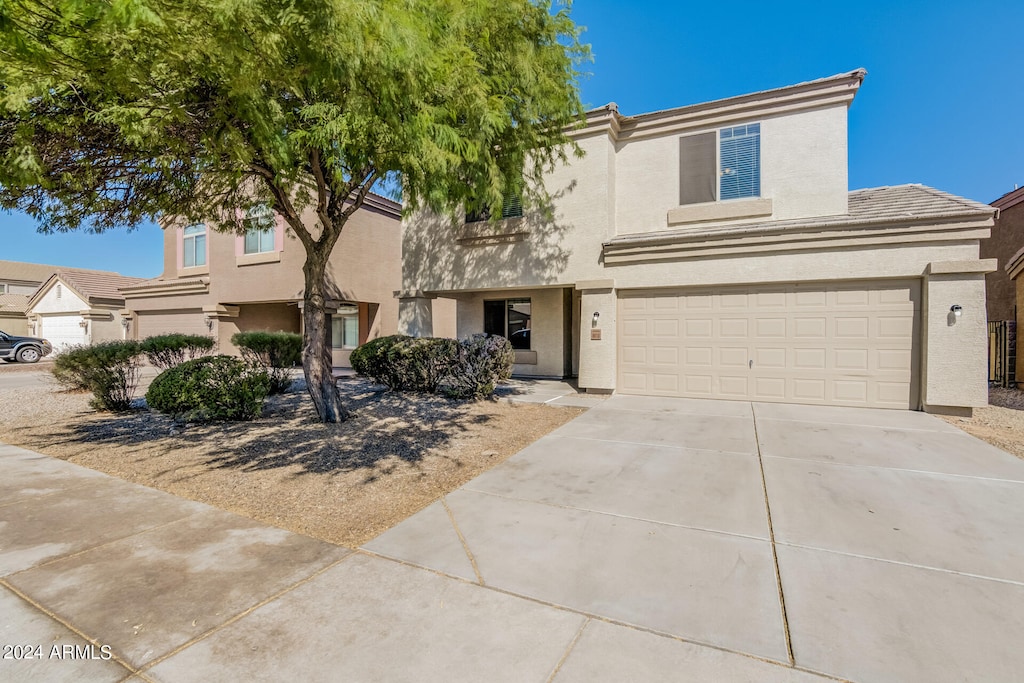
x,y
851,343
63,331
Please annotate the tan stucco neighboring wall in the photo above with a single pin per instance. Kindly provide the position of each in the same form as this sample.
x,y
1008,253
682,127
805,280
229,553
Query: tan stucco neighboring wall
x,y
955,369
14,323
254,318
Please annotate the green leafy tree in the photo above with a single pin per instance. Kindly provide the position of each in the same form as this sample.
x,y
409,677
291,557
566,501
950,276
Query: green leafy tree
x,y
116,112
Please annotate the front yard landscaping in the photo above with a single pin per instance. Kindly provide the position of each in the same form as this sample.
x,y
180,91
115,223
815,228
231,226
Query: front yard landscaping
x,y
342,483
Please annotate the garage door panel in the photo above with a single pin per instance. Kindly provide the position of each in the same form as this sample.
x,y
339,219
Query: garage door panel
x,y
848,344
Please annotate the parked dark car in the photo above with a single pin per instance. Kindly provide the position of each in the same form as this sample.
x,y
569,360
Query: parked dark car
x,y
23,349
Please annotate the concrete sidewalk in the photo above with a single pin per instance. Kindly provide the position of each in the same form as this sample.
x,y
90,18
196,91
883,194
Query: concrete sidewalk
x,y
649,539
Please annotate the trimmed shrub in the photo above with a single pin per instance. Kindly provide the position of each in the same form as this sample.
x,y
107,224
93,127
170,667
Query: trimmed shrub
x,y
167,350
110,370
276,351
481,362
371,359
419,363
210,388
70,368
471,368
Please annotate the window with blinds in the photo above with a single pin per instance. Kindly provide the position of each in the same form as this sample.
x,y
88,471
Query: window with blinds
x,y
511,206
734,174
740,161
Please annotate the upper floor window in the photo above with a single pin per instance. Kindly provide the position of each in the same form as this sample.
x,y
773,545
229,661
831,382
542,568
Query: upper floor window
x,y
723,164
259,234
194,246
739,161
511,207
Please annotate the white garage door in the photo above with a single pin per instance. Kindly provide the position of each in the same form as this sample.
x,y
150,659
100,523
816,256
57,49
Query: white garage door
x,y
62,330
169,322
840,344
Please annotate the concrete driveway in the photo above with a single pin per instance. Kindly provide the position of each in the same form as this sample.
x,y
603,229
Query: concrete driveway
x,y
649,539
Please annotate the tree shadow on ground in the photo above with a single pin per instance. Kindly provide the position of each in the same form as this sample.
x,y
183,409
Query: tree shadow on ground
x,y
388,429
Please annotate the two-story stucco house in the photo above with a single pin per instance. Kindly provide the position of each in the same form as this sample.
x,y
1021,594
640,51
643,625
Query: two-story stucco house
x,y
715,251
217,283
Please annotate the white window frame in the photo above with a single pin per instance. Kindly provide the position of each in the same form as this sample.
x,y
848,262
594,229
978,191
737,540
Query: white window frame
x,y
346,319
189,243
261,228
722,171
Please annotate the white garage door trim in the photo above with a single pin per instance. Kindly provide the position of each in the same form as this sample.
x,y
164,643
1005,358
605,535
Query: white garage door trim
x,y
63,331
851,343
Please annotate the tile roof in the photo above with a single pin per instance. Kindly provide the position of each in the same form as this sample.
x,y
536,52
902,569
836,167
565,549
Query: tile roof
x,y
32,272
17,303
899,204
94,284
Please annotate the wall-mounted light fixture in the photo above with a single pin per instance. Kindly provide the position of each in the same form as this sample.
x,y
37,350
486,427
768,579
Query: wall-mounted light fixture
x,y
956,309
125,322
593,321
209,324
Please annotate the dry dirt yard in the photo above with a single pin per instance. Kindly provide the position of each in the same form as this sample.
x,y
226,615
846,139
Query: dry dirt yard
x,y
341,483
1001,423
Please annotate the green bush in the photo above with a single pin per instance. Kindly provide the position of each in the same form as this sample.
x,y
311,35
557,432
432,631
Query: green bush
x,y
276,351
371,359
167,350
419,363
70,368
110,370
210,388
481,362
471,368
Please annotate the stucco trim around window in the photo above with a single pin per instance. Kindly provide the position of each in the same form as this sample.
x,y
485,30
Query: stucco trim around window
x,y
501,232
257,258
720,211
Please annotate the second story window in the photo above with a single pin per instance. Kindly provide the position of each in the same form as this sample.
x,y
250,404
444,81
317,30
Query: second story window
x,y
194,246
259,234
724,164
739,161
511,207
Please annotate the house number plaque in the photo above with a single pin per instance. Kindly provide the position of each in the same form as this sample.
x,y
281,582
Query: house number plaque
x,y
595,334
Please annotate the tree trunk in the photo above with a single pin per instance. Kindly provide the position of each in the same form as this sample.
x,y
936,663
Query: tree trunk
x,y
316,354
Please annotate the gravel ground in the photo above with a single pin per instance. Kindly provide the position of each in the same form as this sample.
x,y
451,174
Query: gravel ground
x,y
340,483
1001,423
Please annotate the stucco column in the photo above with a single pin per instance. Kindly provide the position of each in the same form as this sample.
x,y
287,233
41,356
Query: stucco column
x,y
598,346
415,316
954,364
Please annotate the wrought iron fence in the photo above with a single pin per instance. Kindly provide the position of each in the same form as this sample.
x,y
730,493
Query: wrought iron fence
x,y
1002,360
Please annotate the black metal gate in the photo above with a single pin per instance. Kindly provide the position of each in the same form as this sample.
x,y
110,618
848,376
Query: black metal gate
x,y
1002,343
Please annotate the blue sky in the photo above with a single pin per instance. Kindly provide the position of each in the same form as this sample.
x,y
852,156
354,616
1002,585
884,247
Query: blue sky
x,y
941,105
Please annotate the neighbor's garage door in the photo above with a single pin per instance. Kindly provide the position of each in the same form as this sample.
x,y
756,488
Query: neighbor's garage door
x,y
62,330
168,322
848,344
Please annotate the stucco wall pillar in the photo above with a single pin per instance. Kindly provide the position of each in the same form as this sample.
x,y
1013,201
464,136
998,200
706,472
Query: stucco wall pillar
x,y
598,357
955,348
415,314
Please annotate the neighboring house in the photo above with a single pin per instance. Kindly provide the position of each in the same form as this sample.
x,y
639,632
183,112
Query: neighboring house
x,y
78,307
714,251
1010,224
12,314
19,281
217,283
1001,298
1006,240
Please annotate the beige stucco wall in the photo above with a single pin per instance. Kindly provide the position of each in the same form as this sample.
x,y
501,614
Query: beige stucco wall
x,y
15,323
597,358
955,369
547,338
803,171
